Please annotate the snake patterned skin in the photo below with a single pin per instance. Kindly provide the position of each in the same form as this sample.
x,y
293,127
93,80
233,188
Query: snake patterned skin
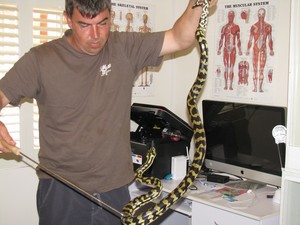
x,y
138,202
154,212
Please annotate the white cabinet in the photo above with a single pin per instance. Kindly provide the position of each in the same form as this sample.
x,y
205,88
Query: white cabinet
x,y
290,199
209,215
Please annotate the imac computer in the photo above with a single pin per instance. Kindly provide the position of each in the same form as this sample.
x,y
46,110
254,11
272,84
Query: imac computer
x,y
240,141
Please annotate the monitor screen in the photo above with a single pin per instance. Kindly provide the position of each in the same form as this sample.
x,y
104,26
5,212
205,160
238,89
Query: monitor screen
x,y
240,142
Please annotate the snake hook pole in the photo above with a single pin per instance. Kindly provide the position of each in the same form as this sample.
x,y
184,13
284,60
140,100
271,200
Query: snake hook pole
x,y
17,151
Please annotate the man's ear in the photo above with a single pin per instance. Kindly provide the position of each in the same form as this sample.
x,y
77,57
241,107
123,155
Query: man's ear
x,y
68,19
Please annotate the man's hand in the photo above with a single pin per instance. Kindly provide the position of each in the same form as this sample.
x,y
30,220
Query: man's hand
x,y
201,2
213,3
5,139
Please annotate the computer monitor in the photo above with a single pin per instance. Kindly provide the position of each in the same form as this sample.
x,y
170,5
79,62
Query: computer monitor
x,y
240,141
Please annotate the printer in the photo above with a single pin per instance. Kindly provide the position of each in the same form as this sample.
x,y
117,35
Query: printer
x,y
158,127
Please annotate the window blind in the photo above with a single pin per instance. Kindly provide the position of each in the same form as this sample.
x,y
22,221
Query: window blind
x,y
9,54
47,25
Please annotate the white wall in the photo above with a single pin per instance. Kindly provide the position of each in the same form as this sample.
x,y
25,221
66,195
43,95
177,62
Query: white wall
x,y
293,153
17,196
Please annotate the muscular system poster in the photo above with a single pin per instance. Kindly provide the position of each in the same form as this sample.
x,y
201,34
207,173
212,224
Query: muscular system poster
x,y
245,50
133,17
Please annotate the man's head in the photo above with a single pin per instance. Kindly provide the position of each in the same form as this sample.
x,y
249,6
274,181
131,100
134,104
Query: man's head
x,y
87,8
90,24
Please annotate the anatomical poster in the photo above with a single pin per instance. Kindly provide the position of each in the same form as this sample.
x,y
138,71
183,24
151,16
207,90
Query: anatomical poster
x,y
133,17
245,50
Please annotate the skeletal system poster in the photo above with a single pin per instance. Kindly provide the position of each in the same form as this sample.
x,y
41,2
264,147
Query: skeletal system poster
x,y
133,17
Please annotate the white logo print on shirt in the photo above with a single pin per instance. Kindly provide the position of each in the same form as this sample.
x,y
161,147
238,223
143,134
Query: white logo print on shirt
x,y
105,69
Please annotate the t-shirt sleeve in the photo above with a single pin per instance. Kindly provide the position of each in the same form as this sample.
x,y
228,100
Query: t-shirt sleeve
x,y
143,49
21,81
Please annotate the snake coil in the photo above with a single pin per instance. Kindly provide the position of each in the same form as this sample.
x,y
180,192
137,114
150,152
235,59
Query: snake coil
x,y
163,205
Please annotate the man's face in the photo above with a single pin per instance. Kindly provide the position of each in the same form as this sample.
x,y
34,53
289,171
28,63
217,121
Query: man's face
x,y
89,35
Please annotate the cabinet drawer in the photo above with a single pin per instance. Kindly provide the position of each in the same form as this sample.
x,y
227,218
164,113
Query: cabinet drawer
x,y
207,215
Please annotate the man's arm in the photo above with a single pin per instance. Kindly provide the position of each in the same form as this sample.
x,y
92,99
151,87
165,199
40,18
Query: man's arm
x,y
4,135
182,34
3,100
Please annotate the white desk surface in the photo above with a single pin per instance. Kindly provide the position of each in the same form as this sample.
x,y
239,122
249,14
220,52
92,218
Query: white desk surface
x,y
260,207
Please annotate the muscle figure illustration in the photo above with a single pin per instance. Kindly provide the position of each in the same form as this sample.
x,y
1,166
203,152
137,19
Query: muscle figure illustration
x,y
243,72
230,36
259,33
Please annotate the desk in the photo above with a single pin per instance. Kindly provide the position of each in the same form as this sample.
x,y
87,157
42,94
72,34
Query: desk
x,y
201,208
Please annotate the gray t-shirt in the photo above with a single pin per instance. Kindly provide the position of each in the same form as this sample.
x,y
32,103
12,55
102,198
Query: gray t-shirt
x,y
84,105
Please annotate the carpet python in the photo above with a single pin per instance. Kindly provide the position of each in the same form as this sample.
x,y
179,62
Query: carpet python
x,y
147,217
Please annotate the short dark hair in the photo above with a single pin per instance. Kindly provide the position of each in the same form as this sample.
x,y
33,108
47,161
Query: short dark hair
x,y
87,8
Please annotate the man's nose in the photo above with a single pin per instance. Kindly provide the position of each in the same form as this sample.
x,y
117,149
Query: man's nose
x,y
94,31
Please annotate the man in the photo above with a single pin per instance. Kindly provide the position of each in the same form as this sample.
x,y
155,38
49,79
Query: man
x,y
230,35
259,33
82,83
